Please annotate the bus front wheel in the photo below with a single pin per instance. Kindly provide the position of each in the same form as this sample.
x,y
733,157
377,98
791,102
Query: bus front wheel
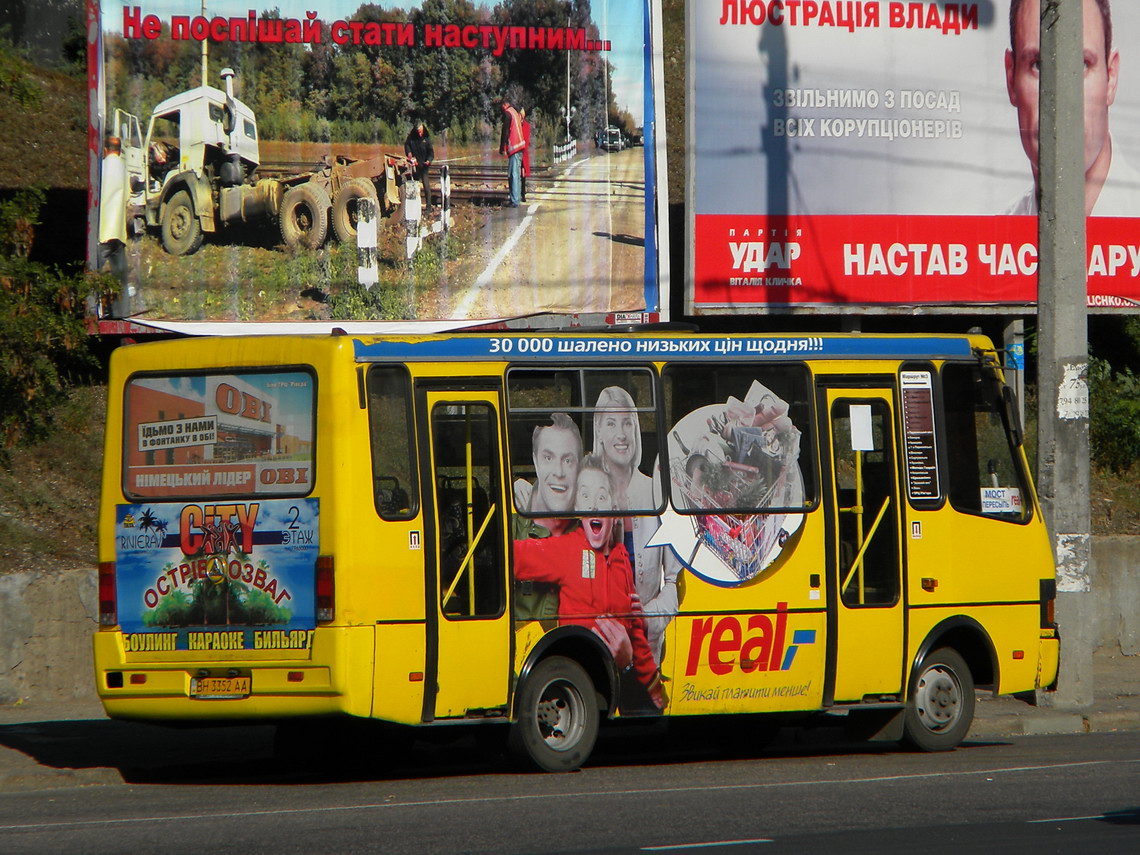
x,y
940,708
558,717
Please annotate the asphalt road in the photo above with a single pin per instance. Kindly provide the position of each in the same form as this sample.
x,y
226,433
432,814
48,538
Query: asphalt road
x,y
221,791
576,245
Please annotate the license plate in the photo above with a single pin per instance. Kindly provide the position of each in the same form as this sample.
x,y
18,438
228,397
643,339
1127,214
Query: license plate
x,y
220,687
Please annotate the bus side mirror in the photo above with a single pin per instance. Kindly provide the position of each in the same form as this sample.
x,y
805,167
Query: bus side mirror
x,y
1012,415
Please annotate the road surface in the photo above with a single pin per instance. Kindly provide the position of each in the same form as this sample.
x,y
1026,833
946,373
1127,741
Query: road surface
x,y
203,790
576,245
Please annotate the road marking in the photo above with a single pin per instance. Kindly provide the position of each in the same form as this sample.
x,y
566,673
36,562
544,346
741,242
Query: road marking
x,y
1125,814
463,310
606,794
709,845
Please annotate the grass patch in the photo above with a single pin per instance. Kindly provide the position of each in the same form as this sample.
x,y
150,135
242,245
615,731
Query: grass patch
x,y
250,276
49,490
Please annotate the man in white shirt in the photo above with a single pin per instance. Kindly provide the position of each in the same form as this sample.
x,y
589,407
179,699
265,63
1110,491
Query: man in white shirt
x,y
113,210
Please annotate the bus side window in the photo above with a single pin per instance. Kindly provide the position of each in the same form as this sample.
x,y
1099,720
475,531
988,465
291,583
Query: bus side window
x,y
393,458
983,468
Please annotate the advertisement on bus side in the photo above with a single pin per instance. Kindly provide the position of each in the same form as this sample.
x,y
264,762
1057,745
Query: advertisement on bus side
x,y
738,494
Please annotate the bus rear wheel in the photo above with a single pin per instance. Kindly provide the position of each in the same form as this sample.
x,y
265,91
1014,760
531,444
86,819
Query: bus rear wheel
x,y
558,717
940,708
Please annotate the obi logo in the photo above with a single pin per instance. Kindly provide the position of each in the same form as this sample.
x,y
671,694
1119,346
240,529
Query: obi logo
x,y
752,643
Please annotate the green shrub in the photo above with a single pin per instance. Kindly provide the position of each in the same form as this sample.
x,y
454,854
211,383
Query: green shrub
x,y
1114,423
17,82
43,343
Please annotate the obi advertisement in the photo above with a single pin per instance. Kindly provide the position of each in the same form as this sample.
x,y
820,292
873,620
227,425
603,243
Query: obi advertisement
x,y
219,435
885,153
217,576
340,160
596,545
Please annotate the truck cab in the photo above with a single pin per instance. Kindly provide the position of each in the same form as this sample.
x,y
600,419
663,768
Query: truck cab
x,y
198,129
198,142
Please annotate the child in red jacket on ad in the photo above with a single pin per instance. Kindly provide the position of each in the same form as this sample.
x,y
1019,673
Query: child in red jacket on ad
x,y
595,583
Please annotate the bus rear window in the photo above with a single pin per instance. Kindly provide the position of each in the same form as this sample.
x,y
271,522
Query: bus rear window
x,y
198,435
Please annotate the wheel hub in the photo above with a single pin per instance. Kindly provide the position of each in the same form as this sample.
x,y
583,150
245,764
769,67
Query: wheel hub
x,y
939,699
560,716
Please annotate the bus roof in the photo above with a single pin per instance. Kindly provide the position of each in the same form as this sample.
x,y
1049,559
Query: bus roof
x,y
534,346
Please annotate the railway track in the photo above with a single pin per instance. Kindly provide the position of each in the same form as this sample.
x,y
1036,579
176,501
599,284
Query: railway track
x,y
475,183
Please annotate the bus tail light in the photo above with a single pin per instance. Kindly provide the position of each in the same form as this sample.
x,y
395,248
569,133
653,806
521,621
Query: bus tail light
x,y
325,589
1048,599
108,603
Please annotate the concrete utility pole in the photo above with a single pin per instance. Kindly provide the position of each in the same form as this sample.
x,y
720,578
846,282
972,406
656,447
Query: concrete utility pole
x,y
1062,326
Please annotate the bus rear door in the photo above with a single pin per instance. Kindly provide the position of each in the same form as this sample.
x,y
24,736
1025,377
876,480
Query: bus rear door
x,y
469,646
865,609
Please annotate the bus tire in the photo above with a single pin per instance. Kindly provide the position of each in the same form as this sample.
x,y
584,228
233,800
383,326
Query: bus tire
x,y
557,722
940,707
181,231
344,209
305,216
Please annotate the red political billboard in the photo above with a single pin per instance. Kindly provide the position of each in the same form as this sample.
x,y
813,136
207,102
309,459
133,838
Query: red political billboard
x,y
885,154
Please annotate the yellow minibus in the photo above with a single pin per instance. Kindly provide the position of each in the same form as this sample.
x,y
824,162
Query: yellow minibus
x,y
547,531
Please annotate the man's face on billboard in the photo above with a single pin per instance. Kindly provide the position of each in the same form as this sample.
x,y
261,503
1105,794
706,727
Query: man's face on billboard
x,y
556,454
1023,72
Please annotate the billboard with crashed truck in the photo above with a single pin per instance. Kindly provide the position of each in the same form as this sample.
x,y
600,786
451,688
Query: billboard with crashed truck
x,y
348,161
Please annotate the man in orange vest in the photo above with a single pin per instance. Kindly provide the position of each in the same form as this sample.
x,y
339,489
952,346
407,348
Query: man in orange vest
x,y
511,144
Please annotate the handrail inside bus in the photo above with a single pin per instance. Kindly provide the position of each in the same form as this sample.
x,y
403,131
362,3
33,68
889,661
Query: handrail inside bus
x,y
467,558
857,564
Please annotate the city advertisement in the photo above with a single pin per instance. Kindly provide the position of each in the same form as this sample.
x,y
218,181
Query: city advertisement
x,y
885,153
232,576
427,160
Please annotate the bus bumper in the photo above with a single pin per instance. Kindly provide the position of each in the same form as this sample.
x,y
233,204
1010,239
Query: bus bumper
x,y
1048,659
145,687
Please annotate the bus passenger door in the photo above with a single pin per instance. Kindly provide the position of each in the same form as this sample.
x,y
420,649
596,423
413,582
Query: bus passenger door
x,y
469,645
865,609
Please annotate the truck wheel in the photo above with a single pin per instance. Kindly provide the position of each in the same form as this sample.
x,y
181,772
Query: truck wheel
x,y
345,212
557,717
940,708
181,231
305,216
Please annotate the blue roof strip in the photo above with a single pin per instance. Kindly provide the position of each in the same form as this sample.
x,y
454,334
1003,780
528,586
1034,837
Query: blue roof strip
x,y
603,348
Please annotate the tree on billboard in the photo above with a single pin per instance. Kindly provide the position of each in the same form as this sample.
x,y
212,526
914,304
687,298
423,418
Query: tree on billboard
x,y
447,88
369,93
545,76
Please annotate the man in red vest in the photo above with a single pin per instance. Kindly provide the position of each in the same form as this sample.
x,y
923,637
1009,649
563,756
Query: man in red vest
x,y
511,144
